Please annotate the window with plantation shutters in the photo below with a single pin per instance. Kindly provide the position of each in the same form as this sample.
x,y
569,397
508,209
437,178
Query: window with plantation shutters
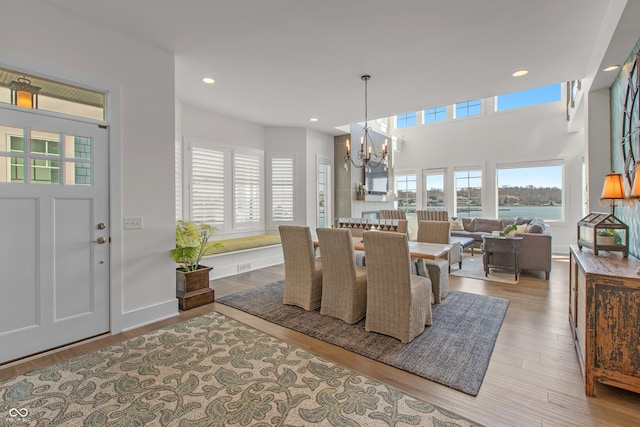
x,y
247,189
207,186
282,189
178,177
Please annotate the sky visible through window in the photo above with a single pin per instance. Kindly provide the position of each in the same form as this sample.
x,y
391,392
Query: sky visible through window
x,y
525,98
543,176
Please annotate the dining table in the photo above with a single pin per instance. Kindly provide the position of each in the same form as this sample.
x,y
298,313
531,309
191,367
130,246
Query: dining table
x,y
416,249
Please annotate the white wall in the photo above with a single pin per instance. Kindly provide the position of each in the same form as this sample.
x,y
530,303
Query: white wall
x,y
141,141
207,125
534,133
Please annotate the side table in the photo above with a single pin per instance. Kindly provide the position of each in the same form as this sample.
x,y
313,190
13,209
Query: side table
x,y
499,247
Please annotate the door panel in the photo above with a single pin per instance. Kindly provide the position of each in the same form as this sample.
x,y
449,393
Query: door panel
x,y
54,288
18,228
73,230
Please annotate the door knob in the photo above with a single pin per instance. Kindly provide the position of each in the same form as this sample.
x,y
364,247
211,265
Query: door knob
x,y
100,240
101,226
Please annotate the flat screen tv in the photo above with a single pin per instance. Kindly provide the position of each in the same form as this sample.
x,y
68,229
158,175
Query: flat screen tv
x,y
375,178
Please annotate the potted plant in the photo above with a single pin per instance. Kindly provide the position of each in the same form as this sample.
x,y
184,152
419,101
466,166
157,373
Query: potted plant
x,y
609,237
192,278
510,230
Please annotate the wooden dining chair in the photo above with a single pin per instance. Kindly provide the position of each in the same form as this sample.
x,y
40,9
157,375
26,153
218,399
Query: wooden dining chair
x,y
344,285
398,302
302,270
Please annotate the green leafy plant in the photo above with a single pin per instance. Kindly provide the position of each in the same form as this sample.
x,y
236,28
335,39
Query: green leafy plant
x,y
509,228
613,233
191,244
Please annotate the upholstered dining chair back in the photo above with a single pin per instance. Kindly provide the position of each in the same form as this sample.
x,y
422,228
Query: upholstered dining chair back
x,y
403,226
432,215
433,232
344,285
392,214
398,303
302,270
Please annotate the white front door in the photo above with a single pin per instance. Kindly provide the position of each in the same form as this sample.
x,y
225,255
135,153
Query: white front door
x,y
54,232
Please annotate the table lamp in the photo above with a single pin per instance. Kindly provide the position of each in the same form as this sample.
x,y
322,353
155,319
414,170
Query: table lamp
x,y
613,189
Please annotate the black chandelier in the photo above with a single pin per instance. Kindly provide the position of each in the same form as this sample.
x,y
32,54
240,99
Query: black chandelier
x,y
366,156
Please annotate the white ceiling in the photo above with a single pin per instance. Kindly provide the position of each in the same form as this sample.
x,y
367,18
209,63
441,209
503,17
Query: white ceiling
x,y
281,62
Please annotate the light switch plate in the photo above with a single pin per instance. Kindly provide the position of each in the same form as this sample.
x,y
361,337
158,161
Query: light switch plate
x,y
132,223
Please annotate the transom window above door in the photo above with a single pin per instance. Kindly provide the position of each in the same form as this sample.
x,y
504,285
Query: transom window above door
x,y
51,95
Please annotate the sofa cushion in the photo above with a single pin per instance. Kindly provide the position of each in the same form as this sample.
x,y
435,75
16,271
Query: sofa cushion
x,y
487,225
456,224
536,226
521,220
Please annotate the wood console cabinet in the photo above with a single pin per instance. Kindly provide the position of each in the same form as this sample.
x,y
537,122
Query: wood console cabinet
x,y
604,313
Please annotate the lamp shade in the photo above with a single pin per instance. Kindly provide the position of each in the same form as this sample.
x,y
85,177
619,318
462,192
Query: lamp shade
x,y
613,188
635,190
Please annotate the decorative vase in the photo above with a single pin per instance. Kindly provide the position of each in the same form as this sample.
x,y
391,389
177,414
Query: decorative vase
x,y
511,234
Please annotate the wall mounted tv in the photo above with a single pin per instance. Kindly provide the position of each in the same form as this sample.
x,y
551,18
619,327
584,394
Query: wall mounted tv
x,y
375,178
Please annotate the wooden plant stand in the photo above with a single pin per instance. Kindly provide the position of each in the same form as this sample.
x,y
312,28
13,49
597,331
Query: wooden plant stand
x,y
192,288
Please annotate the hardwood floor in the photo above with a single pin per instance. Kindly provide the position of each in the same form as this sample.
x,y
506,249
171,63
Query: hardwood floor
x,y
533,378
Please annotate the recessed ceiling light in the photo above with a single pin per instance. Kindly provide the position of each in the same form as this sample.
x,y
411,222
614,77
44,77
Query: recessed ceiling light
x,y
611,68
208,80
520,73
313,119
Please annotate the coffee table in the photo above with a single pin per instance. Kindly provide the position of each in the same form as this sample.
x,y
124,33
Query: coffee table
x,y
465,242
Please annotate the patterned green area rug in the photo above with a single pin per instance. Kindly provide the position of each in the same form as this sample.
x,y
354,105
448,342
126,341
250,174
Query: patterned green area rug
x,y
208,371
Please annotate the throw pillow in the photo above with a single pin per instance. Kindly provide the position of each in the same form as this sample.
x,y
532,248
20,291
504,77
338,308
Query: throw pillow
x,y
535,226
455,224
520,220
521,228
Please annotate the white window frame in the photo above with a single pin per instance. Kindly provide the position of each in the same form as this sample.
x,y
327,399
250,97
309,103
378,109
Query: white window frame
x,y
397,192
271,223
229,225
328,206
483,188
179,160
481,114
534,164
445,187
257,184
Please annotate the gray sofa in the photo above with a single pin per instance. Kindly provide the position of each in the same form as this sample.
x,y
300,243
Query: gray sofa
x,y
536,240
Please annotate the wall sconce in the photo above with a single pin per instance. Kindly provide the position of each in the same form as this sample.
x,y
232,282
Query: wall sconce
x,y
613,189
23,94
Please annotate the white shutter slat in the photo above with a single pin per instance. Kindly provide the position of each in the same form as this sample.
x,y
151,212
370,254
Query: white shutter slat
x,y
247,189
282,189
207,192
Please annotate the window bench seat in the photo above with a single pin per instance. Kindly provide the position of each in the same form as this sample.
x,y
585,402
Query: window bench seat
x,y
244,254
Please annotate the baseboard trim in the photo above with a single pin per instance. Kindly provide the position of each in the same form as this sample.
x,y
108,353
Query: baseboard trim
x,y
147,315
